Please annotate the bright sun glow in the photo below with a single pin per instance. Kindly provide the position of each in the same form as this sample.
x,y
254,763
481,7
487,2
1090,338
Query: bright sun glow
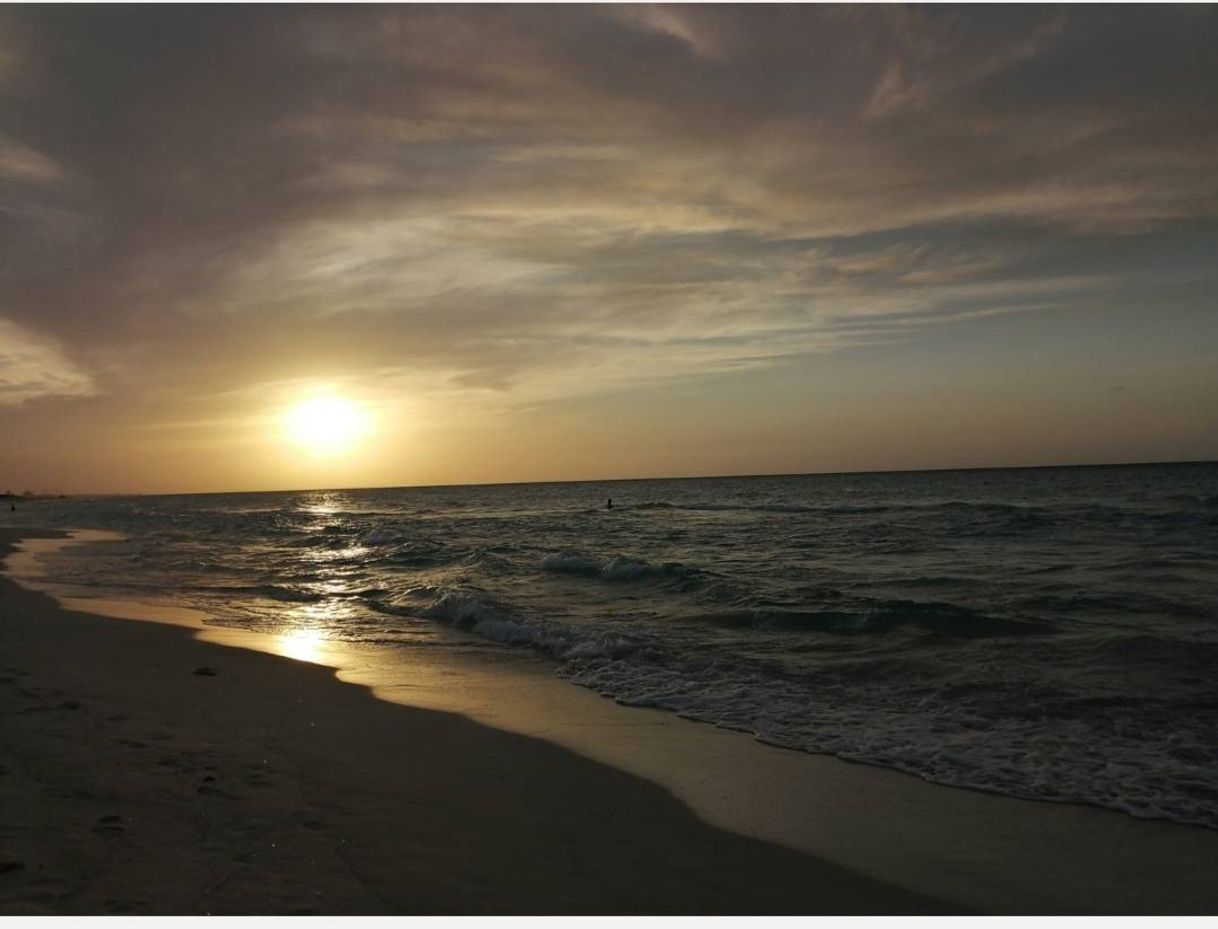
x,y
327,426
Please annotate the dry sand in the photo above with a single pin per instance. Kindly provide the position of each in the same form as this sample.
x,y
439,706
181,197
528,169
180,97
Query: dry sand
x,y
131,782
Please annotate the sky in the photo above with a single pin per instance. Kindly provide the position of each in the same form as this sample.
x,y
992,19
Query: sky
x,y
586,242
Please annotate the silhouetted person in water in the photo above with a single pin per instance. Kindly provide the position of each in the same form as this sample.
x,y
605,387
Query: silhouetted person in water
x,y
609,504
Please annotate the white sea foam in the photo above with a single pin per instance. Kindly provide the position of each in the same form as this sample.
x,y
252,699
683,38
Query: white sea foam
x,y
1111,761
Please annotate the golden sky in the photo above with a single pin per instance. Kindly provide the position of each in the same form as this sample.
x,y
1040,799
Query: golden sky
x,y
565,242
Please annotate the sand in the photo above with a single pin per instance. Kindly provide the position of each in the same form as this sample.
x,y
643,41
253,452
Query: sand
x,y
146,772
273,787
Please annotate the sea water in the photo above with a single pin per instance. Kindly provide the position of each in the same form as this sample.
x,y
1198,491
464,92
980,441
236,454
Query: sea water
x,y
1048,633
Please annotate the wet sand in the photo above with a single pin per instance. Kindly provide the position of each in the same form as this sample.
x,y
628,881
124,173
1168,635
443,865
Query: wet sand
x,y
146,772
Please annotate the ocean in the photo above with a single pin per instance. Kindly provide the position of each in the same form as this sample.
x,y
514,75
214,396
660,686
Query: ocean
x,y
1048,633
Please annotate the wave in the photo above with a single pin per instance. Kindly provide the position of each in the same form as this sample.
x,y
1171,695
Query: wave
x,y
478,613
838,509
1120,602
617,568
1037,742
968,512
880,618
1209,501
417,555
280,592
381,536
749,508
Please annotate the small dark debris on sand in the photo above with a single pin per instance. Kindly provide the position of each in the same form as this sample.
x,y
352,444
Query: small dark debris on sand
x,y
111,825
10,862
205,671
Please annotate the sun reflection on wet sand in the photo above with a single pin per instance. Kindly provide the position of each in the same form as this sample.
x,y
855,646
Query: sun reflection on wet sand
x,y
303,634
301,644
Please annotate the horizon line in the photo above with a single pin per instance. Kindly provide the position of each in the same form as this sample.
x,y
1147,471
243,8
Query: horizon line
x,y
613,480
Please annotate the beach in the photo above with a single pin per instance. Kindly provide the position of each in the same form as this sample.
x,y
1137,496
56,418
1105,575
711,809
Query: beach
x,y
136,782
148,772
608,459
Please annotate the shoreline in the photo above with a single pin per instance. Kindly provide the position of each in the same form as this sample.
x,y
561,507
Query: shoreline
x,y
136,783
966,849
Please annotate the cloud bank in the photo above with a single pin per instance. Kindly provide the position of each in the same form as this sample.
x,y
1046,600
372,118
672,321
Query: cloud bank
x,y
530,203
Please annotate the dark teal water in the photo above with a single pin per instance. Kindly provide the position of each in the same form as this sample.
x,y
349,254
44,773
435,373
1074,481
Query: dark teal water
x,y
1046,633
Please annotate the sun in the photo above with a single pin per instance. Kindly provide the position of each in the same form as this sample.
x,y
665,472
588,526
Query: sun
x,y
327,425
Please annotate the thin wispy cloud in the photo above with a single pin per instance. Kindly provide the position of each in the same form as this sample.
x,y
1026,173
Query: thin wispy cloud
x,y
33,367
